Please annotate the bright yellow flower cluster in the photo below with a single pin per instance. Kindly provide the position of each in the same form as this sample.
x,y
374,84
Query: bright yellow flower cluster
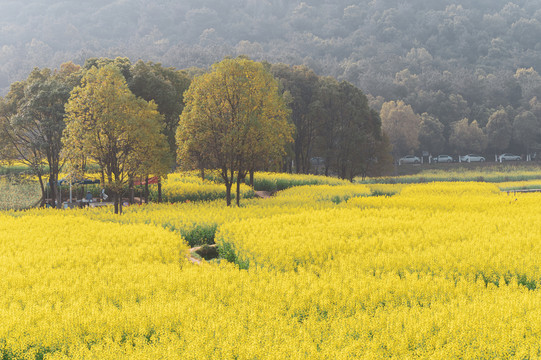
x,y
334,193
277,181
180,187
437,271
70,282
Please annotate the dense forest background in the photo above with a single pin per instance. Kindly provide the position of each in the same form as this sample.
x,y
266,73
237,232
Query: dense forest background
x,y
451,60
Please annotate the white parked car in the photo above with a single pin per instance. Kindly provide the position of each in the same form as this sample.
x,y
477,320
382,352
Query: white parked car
x,y
443,159
409,159
472,158
510,157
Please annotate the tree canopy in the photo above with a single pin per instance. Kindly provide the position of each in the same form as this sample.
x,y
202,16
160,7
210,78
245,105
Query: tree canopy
x,y
333,122
166,87
301,85
468,137
401,124
153,82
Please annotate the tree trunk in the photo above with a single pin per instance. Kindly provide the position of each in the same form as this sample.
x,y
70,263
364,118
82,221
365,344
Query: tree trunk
x,y
159,190
228,193
43,194
53,177
120,202
54,190
59,196
146,190
344,173
228,183
252,178
115,196
297,161
238,189
53,173
132,191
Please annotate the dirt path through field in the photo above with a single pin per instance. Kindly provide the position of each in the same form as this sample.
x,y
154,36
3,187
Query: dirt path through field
x,y
191,256
204,251
263,194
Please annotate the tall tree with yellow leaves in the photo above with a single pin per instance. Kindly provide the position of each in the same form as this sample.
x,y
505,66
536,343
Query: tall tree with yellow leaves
x,y
401,125
234,116
107,123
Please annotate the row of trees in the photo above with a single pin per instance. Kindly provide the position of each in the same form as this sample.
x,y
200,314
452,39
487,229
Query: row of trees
x,y
119,115
32,121
506,130
240,117
333,121
236,120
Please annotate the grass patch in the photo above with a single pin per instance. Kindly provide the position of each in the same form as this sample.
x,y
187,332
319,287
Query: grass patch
x,y
18,195
200,235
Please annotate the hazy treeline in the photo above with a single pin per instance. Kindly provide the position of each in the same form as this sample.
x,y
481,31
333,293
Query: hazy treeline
x,y
451,60
365,42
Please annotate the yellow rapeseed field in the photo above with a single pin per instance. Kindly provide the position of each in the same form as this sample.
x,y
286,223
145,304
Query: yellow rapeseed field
x,y
435,271
180,187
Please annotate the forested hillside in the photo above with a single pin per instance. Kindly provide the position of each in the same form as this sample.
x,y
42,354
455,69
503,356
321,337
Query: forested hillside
x,y
451,60
367,43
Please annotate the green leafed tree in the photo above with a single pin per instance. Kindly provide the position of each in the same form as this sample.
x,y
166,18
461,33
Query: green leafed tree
x,y
233,114
527,132
499,131
348,132
106,123
166,87
123,64
301,84
431,137
32,121
466,137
